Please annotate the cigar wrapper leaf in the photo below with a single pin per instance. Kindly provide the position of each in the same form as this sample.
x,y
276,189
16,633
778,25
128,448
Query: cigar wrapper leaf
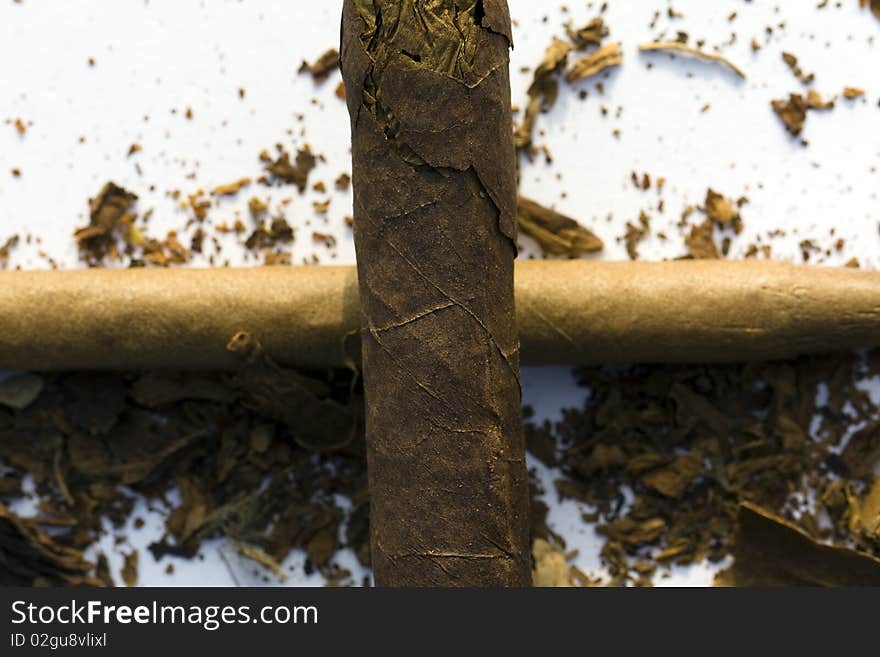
x,y
434,179
568,312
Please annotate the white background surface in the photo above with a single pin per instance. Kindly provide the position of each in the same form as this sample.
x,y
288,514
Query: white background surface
x,y
154,59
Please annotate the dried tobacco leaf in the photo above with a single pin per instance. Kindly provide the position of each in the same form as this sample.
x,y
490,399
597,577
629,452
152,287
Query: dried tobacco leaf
x,y
683,49
551,568
543,91
869,514
691,443
259,556
772,551
428,92
557,234
606,57
198,436
30,557
316,421
862,453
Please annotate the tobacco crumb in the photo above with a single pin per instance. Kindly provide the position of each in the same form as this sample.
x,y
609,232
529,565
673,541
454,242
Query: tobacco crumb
x,y
792,62
6,249
701,241
793,113
130,569
635,234
589,35
294,173
232,188
322,67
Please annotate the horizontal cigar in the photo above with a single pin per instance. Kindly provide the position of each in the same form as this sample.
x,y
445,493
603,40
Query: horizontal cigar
x,y
569,312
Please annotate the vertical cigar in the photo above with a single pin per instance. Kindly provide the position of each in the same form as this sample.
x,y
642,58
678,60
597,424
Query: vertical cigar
x,y
428,90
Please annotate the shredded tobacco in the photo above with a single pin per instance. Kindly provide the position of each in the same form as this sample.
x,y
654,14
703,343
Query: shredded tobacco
x,y
683,49
606,57
556,233
689,445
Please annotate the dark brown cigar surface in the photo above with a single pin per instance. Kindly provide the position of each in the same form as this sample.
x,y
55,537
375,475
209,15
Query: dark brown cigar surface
x,y
428,90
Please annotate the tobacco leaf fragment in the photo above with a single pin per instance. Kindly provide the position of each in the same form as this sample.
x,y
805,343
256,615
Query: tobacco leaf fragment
x,y
296,172
316,421
606,57
6,249
261,557
159,388
556,233
674,479
129,571
30,557
793,112
109,219
792,62
232,188
862,452
590,34
817,102
551,568
684,49
635,233
720,210
543,91
772,551
322,67
869,513
701,241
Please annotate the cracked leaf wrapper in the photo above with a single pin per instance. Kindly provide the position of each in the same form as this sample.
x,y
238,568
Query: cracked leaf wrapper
x,y
428,91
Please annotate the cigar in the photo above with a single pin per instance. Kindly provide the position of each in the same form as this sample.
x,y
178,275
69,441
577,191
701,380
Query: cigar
x,y
435,217
569,313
